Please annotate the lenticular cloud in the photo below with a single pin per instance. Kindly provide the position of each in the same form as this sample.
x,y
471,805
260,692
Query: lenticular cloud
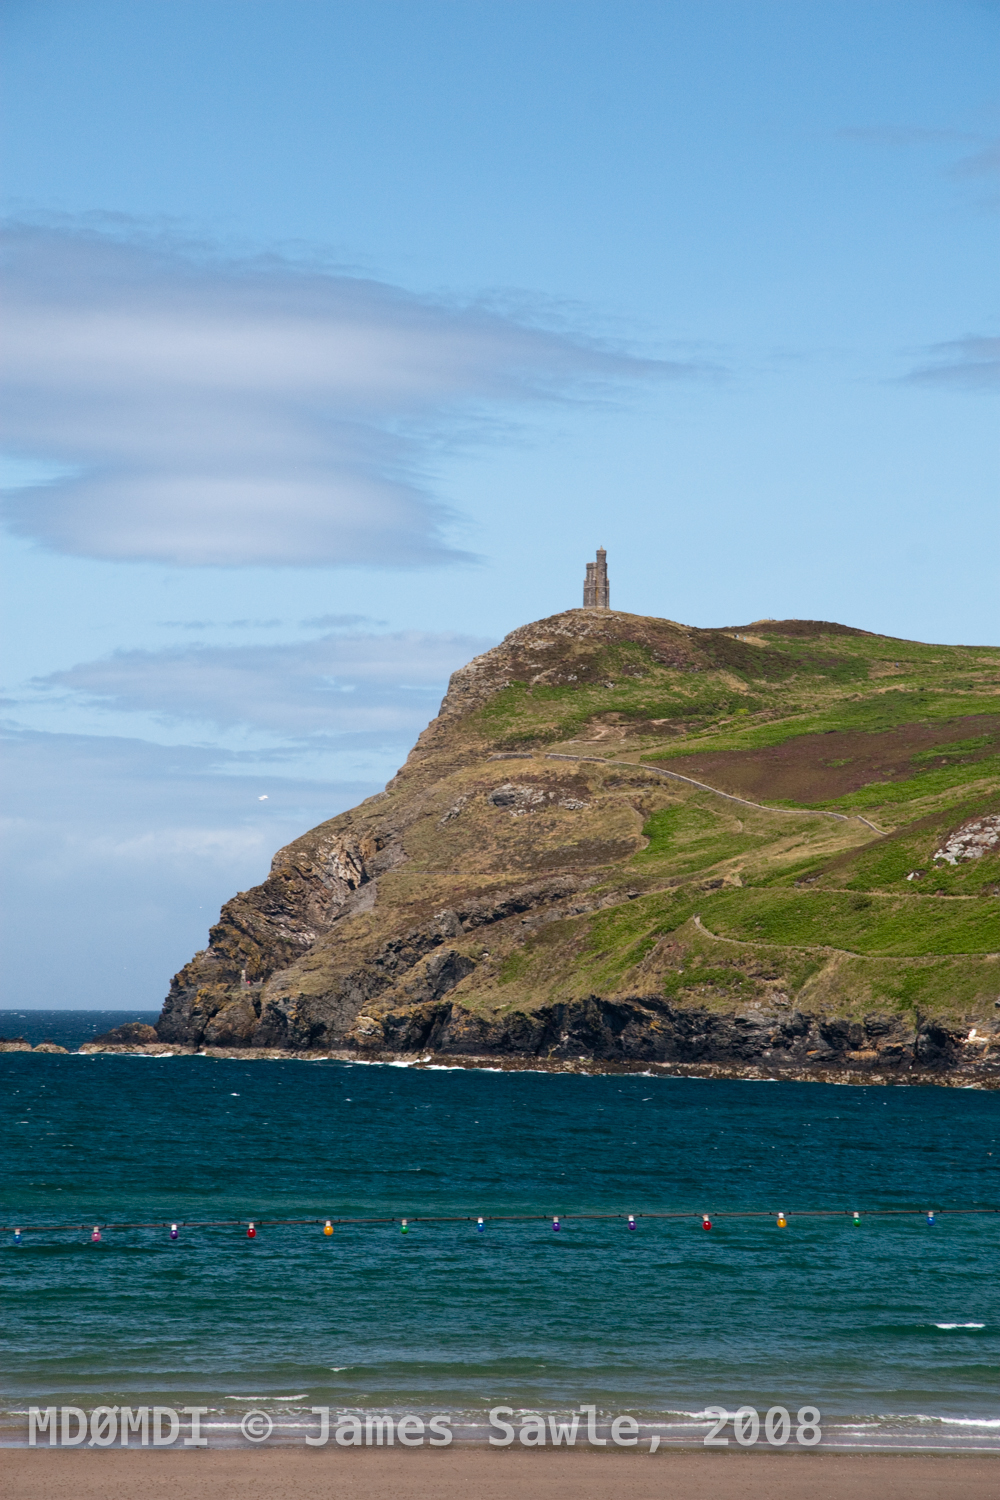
x,y
206,411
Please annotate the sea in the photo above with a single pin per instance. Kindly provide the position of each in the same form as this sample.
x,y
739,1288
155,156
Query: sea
x,y
888,1327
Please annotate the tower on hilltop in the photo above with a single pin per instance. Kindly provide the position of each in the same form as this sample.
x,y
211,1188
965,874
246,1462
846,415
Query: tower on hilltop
x,y
596,589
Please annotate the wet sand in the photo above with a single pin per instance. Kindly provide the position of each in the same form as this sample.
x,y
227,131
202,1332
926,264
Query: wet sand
x,y
479,1474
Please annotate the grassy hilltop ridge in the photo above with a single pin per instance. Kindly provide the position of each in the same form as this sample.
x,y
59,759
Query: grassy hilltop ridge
x,y
545,875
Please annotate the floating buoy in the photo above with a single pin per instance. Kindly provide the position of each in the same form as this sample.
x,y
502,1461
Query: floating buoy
x,y
631,1221
174,1232
405,1227
328,1227
251,1231
857,1217
95,1234
555,1225
706,1222
17,1236
480,1226
930,1216
782,1221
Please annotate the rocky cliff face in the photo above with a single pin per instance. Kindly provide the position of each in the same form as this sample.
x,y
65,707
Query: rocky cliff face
x,y
653,1031
533,881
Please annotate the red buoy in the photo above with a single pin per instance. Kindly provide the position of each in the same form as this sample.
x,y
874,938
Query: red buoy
x,y
251,1232
706,1222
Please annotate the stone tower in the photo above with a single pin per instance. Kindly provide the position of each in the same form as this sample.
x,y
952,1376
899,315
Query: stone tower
x,y
596,589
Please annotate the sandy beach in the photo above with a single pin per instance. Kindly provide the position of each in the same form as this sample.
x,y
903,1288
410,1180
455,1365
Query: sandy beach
x,y
475,1474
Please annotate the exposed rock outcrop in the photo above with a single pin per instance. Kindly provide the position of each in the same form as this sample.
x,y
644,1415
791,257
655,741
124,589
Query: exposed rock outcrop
x,y
649,1030
132,1034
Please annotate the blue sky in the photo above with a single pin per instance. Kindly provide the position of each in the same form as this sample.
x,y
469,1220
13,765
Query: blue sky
x,y
339,336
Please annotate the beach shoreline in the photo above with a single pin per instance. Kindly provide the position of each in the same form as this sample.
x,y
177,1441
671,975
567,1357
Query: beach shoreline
x,y
965,1077
458,1473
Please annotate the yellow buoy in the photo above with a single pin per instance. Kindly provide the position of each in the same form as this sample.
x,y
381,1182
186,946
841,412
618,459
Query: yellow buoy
x,y
328,1227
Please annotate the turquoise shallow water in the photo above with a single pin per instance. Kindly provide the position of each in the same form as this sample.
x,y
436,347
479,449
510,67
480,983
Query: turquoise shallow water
x,y
891,1329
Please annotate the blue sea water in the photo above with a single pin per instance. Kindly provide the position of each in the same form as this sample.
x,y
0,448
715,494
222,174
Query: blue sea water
x,y
890,1328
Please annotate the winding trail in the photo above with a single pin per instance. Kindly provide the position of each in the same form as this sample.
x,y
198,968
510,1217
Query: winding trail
x,y
810,812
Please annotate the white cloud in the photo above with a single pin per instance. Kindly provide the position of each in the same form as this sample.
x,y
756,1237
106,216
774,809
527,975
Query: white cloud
x,y
971,363
984,163
119,854
197,410
120,851
375,687
907,135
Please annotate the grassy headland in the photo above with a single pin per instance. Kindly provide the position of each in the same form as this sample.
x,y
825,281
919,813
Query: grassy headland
x,y
619,824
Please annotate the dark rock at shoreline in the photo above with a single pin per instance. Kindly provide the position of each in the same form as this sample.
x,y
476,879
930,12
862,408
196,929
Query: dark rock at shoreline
x,y
132,1034
650,1030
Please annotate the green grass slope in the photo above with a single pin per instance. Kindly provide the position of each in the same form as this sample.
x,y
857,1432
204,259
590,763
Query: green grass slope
x,y
906,734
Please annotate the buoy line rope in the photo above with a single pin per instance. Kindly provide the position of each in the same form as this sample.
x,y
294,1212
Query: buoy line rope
x,y
265,1223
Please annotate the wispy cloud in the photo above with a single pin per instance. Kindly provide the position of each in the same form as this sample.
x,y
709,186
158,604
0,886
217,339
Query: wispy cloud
x,y
314,622
135,846
984,163
371,686
337,622
977,164
198,410
971,363
273,624
906,135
